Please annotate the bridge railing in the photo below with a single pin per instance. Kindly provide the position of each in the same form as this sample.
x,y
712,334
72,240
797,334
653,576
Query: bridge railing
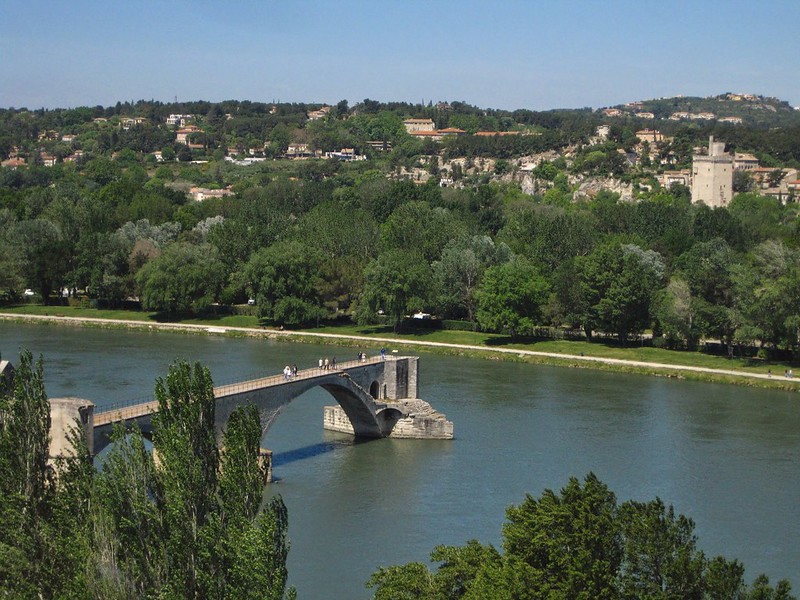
x,y
250,383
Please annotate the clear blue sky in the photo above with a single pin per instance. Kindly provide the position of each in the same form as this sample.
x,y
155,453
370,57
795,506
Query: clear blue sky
x,y
516,54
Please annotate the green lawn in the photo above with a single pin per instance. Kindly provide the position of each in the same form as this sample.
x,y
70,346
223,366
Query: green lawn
x,y
488,340
597,348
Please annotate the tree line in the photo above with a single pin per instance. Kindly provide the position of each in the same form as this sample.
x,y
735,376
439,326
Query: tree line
x,y
347,241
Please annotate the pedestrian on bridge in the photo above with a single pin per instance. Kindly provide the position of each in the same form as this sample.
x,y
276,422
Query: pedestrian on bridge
x,y
333,363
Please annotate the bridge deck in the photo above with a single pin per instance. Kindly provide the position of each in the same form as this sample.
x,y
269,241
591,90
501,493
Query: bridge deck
x,y
141,409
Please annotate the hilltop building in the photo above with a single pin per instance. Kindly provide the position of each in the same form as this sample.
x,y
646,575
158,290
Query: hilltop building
x,y
712,176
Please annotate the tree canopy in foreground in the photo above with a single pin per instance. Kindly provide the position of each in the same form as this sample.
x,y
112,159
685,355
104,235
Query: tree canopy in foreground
x,y
580,544
192,523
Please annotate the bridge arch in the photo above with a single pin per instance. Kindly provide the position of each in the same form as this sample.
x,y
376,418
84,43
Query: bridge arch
x,y
355,386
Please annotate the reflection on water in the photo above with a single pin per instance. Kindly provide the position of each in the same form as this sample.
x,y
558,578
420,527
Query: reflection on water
x,y
724,455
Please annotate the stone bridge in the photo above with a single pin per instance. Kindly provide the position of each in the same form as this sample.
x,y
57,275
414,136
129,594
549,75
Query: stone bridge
x,y
376,398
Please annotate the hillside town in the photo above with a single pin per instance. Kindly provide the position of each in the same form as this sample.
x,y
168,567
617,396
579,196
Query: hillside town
x,y
647,157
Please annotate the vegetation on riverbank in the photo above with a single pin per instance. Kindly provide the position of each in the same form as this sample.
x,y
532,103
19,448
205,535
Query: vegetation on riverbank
x,y
576,353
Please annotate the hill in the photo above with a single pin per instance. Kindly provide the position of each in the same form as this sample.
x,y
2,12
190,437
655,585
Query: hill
x,y
734,108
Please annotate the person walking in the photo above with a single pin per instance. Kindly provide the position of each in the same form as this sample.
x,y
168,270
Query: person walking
x,y
333,363
320,364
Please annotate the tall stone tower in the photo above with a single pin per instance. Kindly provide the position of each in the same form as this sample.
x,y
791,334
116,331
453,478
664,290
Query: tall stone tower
x,y
712,175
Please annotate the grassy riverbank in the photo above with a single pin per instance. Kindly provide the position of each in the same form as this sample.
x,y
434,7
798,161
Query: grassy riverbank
x,y
581,354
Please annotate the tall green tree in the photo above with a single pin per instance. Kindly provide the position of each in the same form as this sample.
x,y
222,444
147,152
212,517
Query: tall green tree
x,y
567,545
24,482
511,298
285,281
396,283
617,285
185,277
459,273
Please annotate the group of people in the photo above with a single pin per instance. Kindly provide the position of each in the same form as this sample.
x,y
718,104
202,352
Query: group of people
x,y
326,364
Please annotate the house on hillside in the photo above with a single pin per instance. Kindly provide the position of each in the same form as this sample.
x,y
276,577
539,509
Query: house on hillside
x,y
669,178
298,151
128,122
319,114
744,162
414,125
650,136
451,131
182,135
179,120
199,193
13,163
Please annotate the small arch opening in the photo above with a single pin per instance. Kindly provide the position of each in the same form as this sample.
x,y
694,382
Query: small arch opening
x,y
374,390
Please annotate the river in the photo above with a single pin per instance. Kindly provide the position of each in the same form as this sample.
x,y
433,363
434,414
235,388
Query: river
x,y
724,455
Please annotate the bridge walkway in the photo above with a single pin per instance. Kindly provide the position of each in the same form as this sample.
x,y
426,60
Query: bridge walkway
x,y
141,409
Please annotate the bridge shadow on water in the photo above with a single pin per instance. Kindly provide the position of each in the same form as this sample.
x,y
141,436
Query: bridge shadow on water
x,y
290,456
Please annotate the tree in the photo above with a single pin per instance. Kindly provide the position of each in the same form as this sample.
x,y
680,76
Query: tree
x,y
708,269
43,249
459,272
11,258
548,235
618,281
190,524
24,482
673,310
284,279
183,278
660,555
511,298
567,545
415,226
397,283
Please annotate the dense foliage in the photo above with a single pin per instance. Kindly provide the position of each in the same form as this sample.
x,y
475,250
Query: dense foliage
x,y
316,239
580,544
190,524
